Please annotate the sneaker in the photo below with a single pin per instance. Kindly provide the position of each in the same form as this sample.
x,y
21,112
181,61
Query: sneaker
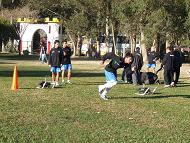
x,y
172,84
56,84
165,86
104,97
69,82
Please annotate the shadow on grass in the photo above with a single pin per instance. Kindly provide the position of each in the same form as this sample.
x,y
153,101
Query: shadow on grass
x,y
19,57
151,97
47,73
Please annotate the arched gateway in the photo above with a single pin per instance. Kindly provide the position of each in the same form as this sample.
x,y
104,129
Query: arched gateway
x,y
52,29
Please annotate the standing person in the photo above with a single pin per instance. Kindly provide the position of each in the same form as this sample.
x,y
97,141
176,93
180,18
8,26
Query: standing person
x,y
43,56
152,58
66,62
136,67
55,58
178,59
168,63
111,71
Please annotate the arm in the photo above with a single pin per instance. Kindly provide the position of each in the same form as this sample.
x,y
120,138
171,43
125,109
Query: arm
x,y
108,56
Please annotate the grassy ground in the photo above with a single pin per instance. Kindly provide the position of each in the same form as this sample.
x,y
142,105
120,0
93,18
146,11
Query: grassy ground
x,y
75,113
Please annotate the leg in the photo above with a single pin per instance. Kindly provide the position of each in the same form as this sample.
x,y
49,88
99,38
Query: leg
x,y
69,75
134,78
177,74
53,77
166,78
62,75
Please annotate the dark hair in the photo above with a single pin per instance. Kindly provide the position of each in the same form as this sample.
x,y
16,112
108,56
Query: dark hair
x,y
64,41
56,41
171,48
128,54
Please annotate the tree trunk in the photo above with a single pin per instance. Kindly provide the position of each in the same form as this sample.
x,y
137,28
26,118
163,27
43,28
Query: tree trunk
x,y
167,40
73,43
133,42
155,43
114,41
143,46
107,35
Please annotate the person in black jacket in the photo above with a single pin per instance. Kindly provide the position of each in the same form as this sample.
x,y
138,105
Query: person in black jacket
x,y
111,71
178,59
168,63
136,67
152,58
66,62
55,58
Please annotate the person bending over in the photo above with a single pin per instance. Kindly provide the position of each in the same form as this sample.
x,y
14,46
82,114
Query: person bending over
x,y
111,71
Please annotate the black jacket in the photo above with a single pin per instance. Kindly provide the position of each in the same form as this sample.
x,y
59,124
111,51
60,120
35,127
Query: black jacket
x,y
66,59
115,63
152,57
168,61
178,58
55,57
137,61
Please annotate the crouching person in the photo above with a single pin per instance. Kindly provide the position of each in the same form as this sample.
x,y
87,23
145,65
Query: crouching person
x,y
111,71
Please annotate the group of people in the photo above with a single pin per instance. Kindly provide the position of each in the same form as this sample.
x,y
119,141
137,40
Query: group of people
x,y
59,60
132,64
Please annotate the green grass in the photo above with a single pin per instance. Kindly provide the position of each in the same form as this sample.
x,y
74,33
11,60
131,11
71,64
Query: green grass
x,y
75,113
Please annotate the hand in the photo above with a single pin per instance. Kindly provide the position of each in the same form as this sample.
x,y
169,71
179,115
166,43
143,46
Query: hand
x,y
102,62
133,68
49,65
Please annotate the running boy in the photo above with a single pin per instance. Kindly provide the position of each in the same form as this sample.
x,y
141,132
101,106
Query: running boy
x,y
55,58
66,62
111,71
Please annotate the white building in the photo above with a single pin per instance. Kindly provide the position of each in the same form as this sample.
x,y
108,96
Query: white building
x,y
28,27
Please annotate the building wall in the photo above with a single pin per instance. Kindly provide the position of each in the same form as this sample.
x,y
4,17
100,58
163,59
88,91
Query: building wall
x,y
27,31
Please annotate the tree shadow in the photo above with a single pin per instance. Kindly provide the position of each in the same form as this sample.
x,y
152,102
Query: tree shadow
x,y
23,73
145,97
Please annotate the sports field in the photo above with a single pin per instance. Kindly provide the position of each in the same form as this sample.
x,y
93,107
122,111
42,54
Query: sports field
x,y
75,113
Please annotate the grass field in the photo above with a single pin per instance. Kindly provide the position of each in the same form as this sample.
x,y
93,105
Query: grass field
x,y
75,113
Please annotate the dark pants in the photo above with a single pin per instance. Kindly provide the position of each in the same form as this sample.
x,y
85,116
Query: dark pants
x,y
127,75
177,74
168,77
136,77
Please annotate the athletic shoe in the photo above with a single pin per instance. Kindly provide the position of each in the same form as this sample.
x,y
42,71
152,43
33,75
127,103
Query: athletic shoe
x,y
56,84
69,82
165,86
103,96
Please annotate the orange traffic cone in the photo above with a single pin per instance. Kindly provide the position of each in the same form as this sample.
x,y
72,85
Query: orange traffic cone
x,y
15,79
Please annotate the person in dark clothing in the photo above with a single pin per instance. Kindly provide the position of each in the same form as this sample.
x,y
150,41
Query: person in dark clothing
x,y
168,63
178,59
55,58
111,71
66,62
152,58
136,66
149,78
43,56
127,74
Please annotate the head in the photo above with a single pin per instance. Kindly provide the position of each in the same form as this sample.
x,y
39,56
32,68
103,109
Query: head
x,y
56,43
138,50
64,43
169,49
128,58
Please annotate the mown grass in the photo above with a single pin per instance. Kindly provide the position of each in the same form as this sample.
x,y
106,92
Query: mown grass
x,y
75,113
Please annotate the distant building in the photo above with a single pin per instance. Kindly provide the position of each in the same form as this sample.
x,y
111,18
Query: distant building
x,y
50,29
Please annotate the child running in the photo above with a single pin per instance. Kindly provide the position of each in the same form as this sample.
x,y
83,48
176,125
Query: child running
x,y
111,71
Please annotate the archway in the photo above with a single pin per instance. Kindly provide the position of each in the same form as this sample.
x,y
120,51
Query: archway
x,y
39,36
